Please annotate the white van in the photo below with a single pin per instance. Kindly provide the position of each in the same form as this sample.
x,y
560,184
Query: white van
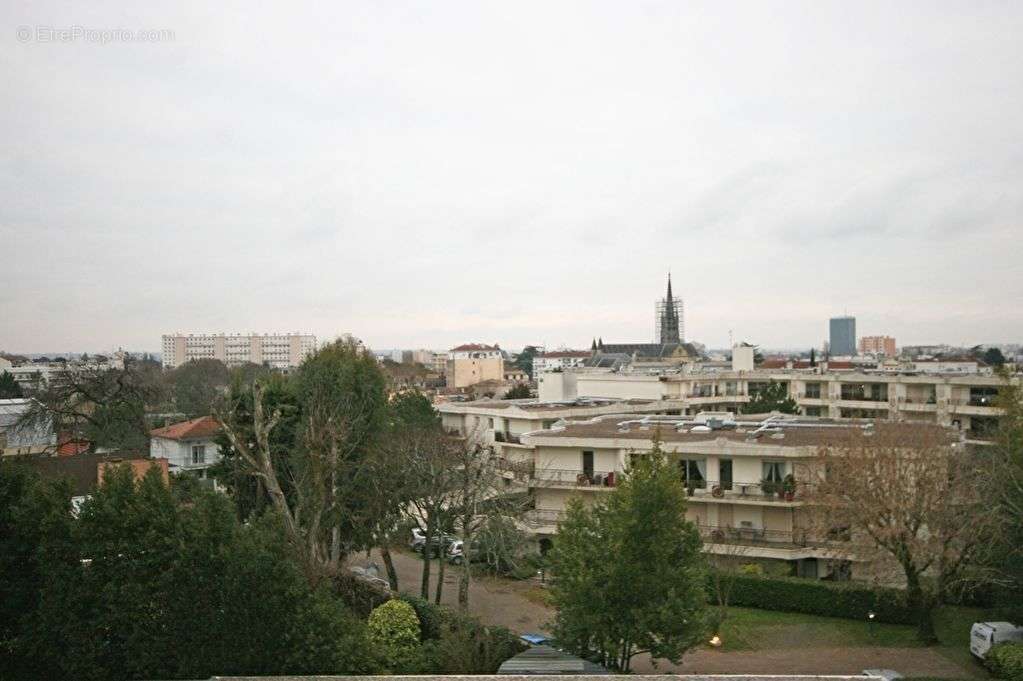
x,y
983,635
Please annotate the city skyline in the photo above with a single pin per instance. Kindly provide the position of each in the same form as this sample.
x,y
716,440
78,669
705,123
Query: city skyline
x,y
424,177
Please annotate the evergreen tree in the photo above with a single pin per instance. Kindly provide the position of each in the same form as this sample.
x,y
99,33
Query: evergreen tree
x,y
629,573
773,397
9,388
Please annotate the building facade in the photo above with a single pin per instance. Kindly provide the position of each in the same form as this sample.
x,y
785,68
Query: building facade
x,y
559,360
842,336
23,438
189,446
962,400
877,345
279,351
474,363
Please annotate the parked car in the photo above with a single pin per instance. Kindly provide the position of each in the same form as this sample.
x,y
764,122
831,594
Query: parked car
x,y
456,553
438,543
418,539
984,635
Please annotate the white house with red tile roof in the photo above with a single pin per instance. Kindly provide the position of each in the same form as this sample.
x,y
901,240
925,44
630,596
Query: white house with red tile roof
x,y
189,446
559,360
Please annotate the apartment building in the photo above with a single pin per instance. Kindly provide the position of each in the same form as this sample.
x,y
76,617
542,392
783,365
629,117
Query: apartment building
x,y
962,400
748,480
280,351
559,360
17,437
474,363
877,345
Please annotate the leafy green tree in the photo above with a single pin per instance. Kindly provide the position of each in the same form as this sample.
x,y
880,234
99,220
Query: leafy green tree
x,y
772,397
9,388
1008,484
158,589
521,391
525,359
35,535
994,357
651,597
197,385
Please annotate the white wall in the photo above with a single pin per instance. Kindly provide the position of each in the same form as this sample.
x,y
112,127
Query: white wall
x,y
620,386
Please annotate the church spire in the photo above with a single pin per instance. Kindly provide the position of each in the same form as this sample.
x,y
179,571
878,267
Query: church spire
x,y
668,298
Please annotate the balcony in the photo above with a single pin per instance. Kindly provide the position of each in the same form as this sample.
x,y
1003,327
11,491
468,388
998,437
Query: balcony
x,y
751,493
575,478
541,519
507,438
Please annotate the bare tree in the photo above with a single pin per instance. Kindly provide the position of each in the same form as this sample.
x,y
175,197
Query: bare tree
x,y
480,499
723,562
912,495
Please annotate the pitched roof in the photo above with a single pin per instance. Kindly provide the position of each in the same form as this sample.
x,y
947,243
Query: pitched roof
x,y
82,469
204,426
474,346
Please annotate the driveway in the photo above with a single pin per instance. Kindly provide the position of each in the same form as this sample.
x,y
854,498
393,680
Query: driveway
x,y
507,603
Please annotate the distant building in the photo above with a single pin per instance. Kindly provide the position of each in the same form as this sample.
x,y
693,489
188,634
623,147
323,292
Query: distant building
x,y
842,336
18,438
188,447
280,351
474,363
559,360
513,374
877,345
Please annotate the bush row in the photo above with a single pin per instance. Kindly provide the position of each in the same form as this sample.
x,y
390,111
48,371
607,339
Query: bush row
x,y
1005,661
812,597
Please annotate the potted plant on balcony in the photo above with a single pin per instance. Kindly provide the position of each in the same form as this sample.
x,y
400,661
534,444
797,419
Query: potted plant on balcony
x,y
768,487
788,487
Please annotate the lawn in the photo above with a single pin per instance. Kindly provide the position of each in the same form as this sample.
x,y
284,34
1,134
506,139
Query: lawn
x,y
750,629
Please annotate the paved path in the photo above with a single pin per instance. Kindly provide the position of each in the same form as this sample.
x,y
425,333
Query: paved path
x,y
505,602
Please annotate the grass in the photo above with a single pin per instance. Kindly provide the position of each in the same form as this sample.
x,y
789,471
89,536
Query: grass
x,y
751,629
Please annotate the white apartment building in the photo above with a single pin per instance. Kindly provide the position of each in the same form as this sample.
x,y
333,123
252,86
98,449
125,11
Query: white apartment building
x,y
748,481
280,351
736,468
949,399
559,360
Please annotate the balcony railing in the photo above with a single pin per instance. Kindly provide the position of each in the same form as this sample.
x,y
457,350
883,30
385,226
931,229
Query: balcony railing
x,y
751,491
756,536
543,517
509,438
560,477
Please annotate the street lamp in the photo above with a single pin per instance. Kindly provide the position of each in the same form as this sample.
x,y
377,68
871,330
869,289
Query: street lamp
x,y
870,622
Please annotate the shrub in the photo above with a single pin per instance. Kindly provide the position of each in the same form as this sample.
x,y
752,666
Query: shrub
x,y
1005,661
813,597
751,569
394,630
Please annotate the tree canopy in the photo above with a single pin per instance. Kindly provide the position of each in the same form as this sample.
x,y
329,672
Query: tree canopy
x,y
9,387
772,397
651,596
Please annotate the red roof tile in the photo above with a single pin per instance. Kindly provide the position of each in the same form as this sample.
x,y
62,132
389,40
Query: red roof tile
x,y
474,346
204,426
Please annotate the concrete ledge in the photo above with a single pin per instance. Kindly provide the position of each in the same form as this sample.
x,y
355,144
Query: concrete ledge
x,y
574,677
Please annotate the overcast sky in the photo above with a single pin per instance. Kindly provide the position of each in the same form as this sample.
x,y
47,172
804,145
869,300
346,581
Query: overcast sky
x,y
425,174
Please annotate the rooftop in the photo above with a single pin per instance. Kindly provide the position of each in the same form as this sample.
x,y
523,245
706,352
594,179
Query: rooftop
x,y
784,431
202,427
468,347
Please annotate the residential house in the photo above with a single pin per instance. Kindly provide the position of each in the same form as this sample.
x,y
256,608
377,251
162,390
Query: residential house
x,y
189,446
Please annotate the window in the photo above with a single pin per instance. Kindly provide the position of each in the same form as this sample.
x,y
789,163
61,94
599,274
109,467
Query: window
x,y
813,391
588,464
694,472
198,454
725,472
774,471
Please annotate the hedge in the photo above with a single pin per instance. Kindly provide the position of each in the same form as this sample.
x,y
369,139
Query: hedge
x,y
1005,661
814,597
